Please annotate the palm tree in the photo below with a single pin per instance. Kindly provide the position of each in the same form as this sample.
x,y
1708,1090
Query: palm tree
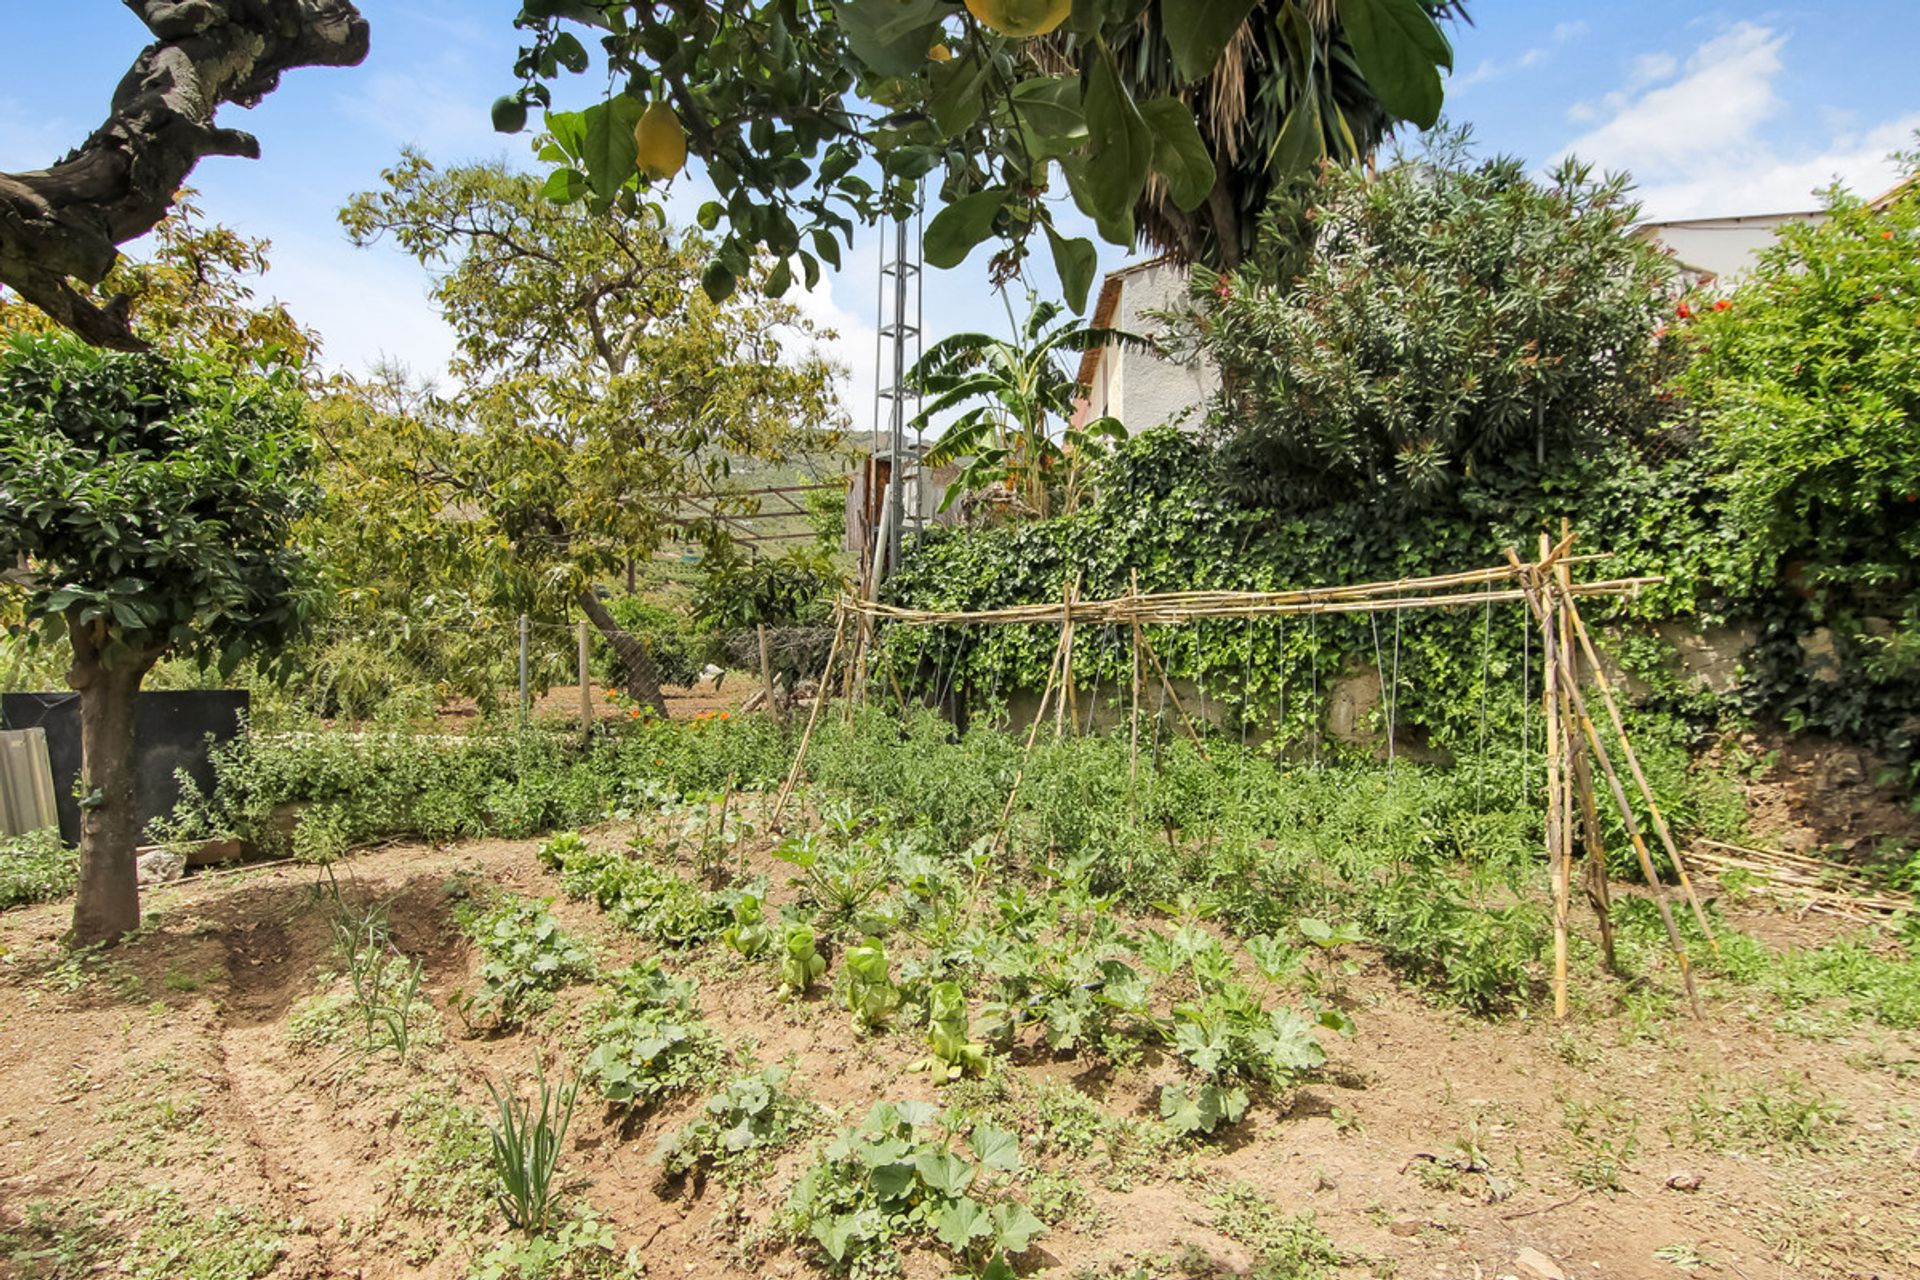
x,y
1014,391
1284,95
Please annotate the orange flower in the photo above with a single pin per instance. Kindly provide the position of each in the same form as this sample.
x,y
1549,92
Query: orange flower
x,y
723,715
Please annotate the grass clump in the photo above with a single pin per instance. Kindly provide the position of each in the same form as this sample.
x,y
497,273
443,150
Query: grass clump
x,y
1286,1246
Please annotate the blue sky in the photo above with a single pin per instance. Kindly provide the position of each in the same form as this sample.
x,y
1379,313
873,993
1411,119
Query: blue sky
x,y
1715,110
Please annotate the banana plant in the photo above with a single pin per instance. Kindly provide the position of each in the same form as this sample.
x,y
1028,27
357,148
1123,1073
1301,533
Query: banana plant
x,y
1016,437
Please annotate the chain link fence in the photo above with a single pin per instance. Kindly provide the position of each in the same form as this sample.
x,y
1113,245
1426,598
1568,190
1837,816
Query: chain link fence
x,y
484,672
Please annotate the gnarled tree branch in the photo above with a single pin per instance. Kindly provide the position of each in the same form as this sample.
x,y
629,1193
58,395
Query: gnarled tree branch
x,y
64,224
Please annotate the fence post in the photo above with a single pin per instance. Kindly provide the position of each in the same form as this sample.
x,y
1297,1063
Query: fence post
x,y
766,678
526,692
586,690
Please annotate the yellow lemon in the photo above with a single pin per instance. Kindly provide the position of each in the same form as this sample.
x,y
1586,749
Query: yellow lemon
x,y
660,143
1021,18
940,53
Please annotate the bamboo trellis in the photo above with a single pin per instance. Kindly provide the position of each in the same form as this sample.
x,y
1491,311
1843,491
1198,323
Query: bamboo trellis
x,y
1574,742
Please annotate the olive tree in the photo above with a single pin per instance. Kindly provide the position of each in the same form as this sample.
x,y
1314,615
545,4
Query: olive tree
x,y
150,499
61,226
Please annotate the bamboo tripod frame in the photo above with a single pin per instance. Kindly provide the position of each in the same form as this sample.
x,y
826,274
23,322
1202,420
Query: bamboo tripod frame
x,y
1574,742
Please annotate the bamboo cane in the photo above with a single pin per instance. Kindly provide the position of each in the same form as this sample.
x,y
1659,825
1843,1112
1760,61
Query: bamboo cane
x,y
1674,941
1026,752
1133,732
1166,683
813,717
1556,811
1065,712
1605,687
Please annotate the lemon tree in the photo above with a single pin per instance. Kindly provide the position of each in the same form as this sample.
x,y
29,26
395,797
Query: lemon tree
x,y
1164,121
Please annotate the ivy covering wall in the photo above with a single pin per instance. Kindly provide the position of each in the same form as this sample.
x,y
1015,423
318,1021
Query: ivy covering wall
x,y
1757,449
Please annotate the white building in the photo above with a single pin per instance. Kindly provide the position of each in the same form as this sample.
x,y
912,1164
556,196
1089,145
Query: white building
x,y
1142,388
1717,250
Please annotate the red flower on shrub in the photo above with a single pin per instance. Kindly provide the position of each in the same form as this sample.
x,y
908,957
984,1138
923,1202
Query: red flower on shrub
x,y
1225,288
1684,311
1722,305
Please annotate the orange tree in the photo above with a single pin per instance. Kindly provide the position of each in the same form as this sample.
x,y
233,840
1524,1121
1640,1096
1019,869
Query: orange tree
x,y
1171,120
151,498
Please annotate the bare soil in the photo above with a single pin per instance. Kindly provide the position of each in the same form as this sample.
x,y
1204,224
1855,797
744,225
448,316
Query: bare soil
x,y
1433,1145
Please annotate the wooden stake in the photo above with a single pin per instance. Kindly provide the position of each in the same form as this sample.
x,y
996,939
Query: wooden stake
x,y
1166,682
586,689
1065,712
1579,782
819,701
1605,687
1556,832
766,678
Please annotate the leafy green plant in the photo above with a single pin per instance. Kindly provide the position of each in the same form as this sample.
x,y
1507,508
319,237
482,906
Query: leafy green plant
x,y
843,870
528,1140
751,1117
749,934
645,1039
952,1054
526,957
36,867
649,899
871,992
1202,1108
899,1176
800,959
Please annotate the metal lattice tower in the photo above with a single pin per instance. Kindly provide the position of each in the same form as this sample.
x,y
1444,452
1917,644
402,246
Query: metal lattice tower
x,y
900,316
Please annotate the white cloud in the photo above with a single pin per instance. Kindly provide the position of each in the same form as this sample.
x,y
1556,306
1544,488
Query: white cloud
x,y
1725,96
1698,145
1490,69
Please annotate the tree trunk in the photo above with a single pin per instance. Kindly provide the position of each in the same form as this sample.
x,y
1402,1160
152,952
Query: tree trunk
x,y
642,682
64,223
106,904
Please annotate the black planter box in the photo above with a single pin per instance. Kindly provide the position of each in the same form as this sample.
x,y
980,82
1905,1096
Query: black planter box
x,y
171,733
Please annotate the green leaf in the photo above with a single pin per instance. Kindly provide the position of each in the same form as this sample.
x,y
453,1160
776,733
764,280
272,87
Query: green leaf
x,y
564,186
717,281
1179,155
1014,1226
1120,147
779,279
996,1148
1399,49
961,1223
1074,261
1198,31
959,94
569,52
1050,108
944,1172
1301,142
609,149
569,130
891,36
956,229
